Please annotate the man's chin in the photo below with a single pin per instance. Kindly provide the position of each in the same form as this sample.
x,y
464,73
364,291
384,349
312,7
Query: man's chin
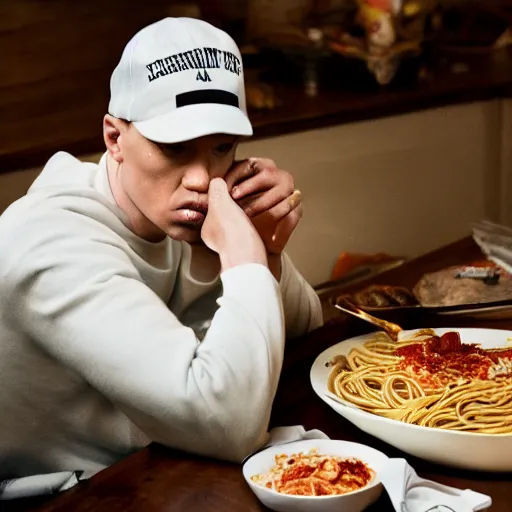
x,y
185,233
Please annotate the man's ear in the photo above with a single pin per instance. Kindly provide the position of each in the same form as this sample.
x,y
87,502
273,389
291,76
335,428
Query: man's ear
x,y
113,128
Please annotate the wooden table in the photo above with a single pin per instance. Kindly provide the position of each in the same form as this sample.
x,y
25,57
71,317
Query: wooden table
x,y
157,480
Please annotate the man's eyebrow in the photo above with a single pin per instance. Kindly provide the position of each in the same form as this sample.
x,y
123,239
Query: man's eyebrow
x,y
169,144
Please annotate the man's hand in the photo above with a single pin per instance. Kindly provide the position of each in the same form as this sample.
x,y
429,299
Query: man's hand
x,y
228,231
267,195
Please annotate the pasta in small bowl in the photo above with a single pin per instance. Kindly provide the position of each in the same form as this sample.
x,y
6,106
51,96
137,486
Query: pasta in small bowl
x,y
317,475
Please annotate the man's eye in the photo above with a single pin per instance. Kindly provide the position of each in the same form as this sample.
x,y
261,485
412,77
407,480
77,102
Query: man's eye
x,y
224,149
174,149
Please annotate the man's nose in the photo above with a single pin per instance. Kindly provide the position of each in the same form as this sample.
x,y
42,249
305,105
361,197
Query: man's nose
x,y
197,178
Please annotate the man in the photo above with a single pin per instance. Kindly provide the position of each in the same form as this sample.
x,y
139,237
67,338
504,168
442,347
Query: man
x,y
107,269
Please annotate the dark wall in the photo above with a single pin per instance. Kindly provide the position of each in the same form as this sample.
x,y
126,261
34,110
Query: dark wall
x,y
56,57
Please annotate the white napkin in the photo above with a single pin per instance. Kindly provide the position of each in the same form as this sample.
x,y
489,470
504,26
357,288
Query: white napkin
x,y
38,485
495,241
410,493
407,491
280,435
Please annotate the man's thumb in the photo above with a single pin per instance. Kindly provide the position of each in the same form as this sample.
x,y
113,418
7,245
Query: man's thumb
x,y
217,190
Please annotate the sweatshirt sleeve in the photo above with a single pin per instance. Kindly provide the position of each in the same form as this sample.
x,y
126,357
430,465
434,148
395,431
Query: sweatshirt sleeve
x,y
81,299
302,308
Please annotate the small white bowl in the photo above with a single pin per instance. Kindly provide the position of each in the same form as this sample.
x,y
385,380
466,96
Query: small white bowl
x,y
355,501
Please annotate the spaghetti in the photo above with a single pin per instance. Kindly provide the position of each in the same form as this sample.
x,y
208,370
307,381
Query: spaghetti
x,y
429,381
311,474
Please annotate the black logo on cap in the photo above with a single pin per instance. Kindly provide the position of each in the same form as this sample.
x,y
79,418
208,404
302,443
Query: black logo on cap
x,y
203,76
199,58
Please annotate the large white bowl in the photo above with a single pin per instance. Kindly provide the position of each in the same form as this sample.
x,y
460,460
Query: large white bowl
x,y
350,502
484,452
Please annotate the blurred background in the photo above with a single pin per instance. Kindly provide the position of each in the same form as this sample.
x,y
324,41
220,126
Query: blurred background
x,y
395,116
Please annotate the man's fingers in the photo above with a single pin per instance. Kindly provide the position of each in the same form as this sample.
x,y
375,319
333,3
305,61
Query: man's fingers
x,y
246,202
261,202
286,226
262,163
295,199
239,172
266,195
253,184
262,182
286,206
283,207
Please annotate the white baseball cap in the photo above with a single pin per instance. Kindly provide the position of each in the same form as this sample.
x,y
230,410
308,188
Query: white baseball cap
x,y
179,79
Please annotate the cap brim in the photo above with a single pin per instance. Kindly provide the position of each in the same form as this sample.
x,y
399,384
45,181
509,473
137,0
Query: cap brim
x,y
193,121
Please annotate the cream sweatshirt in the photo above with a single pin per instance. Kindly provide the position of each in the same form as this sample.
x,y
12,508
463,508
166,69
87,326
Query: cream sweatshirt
x,y
99,354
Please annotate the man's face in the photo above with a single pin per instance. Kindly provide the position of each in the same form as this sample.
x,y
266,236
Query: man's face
x,y
166,185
